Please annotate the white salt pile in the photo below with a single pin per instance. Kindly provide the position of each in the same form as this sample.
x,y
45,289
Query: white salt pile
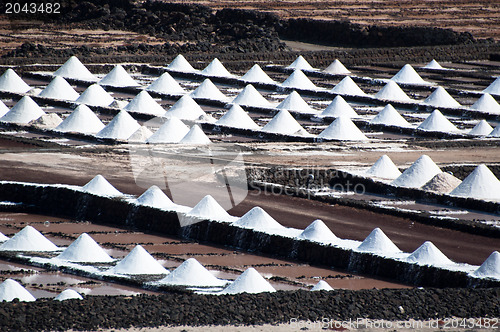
x,y
300,63
28,239
180,64
137,262
24,111
343,129
317,231
495,132
81,120
321,286
236,117
11,82
207,90
118,76
195,135
250,282
480,184
436,121
3,238
101,187
418,174
257,219
95,95
68,294
428,254
3,109
85,250
347,87
443,183
294,102
486,103
257,75
121,127
74,69
433,64
192,273
144,103
141,135
186,109
378,242
337,68
11,289
58,88
166,84
389,116
408,75
208,208
155,197
339,107
298,80
384,168
172,131
483,128
249,96
50,120
392,91
217,69
492,89
441,98
490,267
284,123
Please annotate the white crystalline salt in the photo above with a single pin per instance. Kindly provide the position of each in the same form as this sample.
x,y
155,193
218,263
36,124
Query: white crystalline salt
x,y
50,120
118,76
74,69
428,254
493,88
337,68
384,168
28,239
442,183
348,87
236,117
155,197
433,64
11,82
81,120
85,250
441,98
249,96
68,294
408,75
378,242
3,238
392,91
3,109
300,63
186,109
217,69
208,208
298,80
490,267
172,131
166,84
195,135
436,121
144,103
480,184
284,123
138,262
317,231
486,103
321,286
483,128
390,116
121,127
249,281
343,129
495,132
294,102
257,219
192,273
418,174
207,90
257,75
180,64
141,135
11,289
101,187
58,88
339,107
24,111
95,95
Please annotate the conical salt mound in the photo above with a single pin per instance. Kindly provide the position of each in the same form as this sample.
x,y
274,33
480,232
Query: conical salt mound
x,y
418,174
144,103
339,107
208,208
236,117
250,282
257,75
428,254
481,129
408,75
443,183
81,120
490,267
378,242
155,197
166,84
257,219
74,69
3,109
298,80
195,135
172,131
137,262
11,82
192,273
217,69
294,102
121,127
284,123
68,294
347,87
85,250
58,88
390,117
11,289
492,89
343,129
436,121
384,168
186,109
337,68
95,95
101,187
300,63
441,98
3,238
486,103
118,76
207,90
481,184
24,111
319,232
50,120
321,286
495,132
433,64
28,239
392,91
249,96
141,135
180,64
